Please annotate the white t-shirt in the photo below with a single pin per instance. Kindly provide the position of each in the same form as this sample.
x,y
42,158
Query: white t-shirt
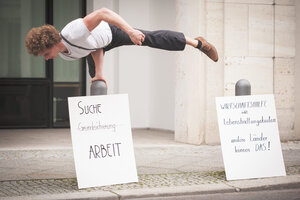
x,y
78,34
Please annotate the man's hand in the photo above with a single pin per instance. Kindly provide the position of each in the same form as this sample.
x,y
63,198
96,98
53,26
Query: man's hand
x,y
137,37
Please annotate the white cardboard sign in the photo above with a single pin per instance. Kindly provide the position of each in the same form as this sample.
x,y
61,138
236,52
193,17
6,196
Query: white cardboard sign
x,y
102,140
249,137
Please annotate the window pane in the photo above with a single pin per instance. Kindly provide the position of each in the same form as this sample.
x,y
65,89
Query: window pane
x,y
64,12
17,17
66,73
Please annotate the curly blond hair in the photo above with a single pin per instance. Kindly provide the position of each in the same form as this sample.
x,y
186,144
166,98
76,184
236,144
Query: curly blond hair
x,y
41,38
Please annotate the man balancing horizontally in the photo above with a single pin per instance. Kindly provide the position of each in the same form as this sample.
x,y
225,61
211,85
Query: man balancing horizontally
x,y
100,31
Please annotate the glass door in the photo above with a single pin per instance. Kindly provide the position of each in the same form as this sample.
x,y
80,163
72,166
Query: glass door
x,y
17,17
33,92
24,87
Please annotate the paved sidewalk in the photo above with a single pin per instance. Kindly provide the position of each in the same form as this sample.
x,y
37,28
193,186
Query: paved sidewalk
x,y
38,164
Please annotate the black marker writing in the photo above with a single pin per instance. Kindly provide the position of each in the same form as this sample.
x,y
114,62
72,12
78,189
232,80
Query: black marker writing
x,y
89,109
103,151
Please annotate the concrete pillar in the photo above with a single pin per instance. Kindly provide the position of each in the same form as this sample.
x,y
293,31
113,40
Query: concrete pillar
x,y
297,73
214,71
284,67
190,89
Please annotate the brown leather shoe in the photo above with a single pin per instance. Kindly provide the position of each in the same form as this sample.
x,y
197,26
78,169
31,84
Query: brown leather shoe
x,y
208,49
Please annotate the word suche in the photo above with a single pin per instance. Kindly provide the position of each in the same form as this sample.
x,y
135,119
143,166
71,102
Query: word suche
x,y
103,151
89,109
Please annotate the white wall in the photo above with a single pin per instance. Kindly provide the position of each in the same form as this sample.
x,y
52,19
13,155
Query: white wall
x,y
134,64
146,74
162,69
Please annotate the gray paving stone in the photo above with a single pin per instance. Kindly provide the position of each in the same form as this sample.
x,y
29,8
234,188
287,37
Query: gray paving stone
x,y
146,181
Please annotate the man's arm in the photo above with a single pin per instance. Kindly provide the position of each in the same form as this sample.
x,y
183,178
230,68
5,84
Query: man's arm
x,y
93,19
98,60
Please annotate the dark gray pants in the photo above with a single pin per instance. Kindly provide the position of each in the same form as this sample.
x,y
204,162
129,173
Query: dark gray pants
x,y
162,39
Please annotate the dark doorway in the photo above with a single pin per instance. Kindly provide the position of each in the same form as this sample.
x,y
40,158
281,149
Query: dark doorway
x,y
33,93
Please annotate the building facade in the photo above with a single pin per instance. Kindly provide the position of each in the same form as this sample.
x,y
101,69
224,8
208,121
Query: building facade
x,y
256,40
